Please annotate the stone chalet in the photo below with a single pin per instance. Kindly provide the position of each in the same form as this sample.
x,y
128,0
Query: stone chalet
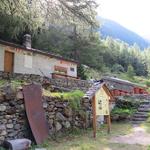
x,y
26,60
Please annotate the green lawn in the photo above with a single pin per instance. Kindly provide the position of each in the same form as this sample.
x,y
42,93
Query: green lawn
x,y
85,141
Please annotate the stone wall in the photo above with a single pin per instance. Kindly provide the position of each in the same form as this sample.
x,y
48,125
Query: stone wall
x,y
60,116
66,84
13,121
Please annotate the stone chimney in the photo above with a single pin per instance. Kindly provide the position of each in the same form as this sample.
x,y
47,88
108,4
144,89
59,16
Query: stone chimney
x,y
27,41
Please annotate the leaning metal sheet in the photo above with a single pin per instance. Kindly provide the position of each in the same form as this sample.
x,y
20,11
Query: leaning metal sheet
x,y
35,112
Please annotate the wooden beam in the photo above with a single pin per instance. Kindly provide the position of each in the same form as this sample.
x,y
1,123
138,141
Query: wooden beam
x,y
109,123
94,116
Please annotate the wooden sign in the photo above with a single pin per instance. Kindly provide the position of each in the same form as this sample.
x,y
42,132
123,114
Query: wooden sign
x,y
100,96
100,106
102,102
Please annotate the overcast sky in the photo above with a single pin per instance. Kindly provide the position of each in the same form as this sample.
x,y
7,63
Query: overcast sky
x,y
133,14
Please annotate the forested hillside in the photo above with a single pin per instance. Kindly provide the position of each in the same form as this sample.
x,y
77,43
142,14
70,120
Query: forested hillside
x,y
117,31
68,28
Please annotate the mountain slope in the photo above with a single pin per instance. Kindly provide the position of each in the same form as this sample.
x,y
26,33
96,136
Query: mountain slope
x,y
115,30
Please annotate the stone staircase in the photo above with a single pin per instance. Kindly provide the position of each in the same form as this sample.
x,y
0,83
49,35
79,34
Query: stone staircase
x,y
142,114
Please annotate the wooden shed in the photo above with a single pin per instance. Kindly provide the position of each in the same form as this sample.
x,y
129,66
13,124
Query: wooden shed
x,y
119,87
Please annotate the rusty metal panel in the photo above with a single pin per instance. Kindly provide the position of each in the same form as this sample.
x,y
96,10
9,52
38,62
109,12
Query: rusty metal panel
x,y
35,112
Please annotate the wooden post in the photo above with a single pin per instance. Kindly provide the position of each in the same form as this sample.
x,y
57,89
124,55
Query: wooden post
x,y
109,123
94,116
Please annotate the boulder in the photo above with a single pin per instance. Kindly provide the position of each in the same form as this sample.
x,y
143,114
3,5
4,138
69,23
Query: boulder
x,y
58,126
10,126
60,117
1,97
45,105
2,133
67,124
18,144
19,95
68,112
2,127
2,107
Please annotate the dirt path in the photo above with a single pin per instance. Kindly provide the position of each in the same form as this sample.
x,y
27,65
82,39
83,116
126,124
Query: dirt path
x,y
138,136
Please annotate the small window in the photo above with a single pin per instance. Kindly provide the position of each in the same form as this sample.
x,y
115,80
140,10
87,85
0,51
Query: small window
x,y
28,61
59,69
72,69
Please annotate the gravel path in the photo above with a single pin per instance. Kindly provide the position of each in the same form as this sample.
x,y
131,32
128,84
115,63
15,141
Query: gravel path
x,y
138,136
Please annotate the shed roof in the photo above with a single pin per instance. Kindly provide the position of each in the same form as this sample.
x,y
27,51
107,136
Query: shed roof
x,y
96,86
36,51
117,80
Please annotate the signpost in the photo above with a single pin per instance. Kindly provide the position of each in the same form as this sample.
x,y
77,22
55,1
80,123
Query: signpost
x,y
101,97
100,107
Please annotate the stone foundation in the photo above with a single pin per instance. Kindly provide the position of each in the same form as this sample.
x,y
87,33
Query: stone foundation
x,y
13,120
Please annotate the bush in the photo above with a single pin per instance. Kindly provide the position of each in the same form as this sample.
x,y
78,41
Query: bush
x,y
131,72
147,83
117,68
73,97
82,72
119,114
124,109
127,103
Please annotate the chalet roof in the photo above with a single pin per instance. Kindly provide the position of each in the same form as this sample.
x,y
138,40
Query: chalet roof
x,y
36,51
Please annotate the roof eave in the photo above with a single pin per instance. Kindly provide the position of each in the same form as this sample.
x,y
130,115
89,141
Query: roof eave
x,y
36,51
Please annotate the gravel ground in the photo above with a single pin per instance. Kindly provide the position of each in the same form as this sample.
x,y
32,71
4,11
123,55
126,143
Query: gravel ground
x,y
138,136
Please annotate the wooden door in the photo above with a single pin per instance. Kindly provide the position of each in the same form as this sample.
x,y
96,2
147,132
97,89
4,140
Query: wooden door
x,y
9,62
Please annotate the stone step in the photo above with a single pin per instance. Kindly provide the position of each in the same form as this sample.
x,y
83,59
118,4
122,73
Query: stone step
x,y
140,116
141,113
139,119
145,102
144,106
137,122
144,109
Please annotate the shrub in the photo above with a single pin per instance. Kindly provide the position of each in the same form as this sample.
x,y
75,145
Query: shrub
x,y
127,103
147,83
117,68
124,109
131,72
73,97
119,114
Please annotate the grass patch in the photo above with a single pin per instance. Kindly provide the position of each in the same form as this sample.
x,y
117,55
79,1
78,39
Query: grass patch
x,y
74,97
13,83
123,111
146,125
85,141
64,95
2,82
